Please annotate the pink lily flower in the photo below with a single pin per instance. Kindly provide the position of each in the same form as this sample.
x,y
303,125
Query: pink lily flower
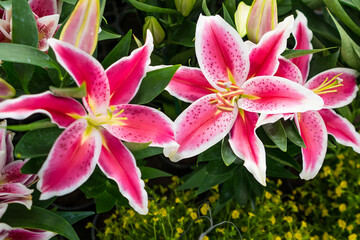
x,y
9,233
46,14
13,184
92,135
230,88
337,87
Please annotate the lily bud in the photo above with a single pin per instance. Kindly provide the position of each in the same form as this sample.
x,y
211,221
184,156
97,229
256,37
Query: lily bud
x,y
241,16
184,6
6,90
262,19
82,27
155,28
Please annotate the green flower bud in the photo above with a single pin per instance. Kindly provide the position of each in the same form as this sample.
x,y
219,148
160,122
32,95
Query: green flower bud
x,y
155,28
241,16
184,6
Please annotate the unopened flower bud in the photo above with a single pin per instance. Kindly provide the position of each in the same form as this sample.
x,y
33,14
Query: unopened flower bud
x,y
155,28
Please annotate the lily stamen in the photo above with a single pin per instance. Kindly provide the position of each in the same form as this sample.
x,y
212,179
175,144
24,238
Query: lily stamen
x,y
328,85
221,98
225,108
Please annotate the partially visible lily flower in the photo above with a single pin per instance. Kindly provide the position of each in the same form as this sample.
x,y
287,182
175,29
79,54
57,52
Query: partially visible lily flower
x,y
262,19
13,184
230,88
82,27
46,16
92,135
241,16
9,233
337,87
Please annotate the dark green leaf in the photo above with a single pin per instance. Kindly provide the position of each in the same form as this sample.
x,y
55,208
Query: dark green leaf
x,y
24,29
153,84
319,64
294,53
36,143
149,8
211,181
205,8
74,217
119,51
150,173
227,191
33,165
107,35
227,153
18,216
277,134
72,2
104,202
184,34
230,6
194,179
95,185
228,17
339,11
211,154
241,186
275,169
345,112
283,158
147,152
25,54
136,146
293,134
217,167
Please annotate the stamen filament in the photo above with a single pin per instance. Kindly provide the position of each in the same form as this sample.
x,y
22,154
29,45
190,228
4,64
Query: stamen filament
x,y
225,108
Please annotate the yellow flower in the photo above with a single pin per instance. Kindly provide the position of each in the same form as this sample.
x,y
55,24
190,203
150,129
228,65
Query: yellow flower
x,y
137,226
272,219
298,236
315,238
205,238
251,214
179,230
220,230
89,225
189,210
350,228
268,195
193,215
303,224
342,207
204,209
180,220
177,200
325,236
325,213
244,229
235,214
277,238
288,235
175,178
279,182
289,219
342,224
155,219
340,156
131,212
327,170
279,192
343,184
352,237
162,212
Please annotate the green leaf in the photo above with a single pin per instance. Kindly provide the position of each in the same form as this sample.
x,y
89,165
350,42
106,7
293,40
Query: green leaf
x,y
95,185
194,179
294,53
148,8
104,202
24,29
147,152
283,158
119,51
350,51
6,4
44,123
211,181
293,134
230,6
277,134
241,186
205,8
275,169
107,35
211,154
153,84
217,167
75,92
320,64
345,112
150,173
136,146
227,192
356,4
74,217
18,216
228,17
36,143
72,2
25,54
184,34
33,165
227,153
339,11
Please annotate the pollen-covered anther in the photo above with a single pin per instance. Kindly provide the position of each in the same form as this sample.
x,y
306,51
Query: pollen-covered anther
x,y
225,108
221,98
329,86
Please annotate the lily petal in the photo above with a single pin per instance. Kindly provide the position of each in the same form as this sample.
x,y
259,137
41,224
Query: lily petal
x,y
11,173
61,110
33,234
71,160
189,84
199,127
47,27
313,131
43,7
220,51
126,74
15,193
273,95
142,125
117,162
247,146
262,19
343,131
303,36
264,56
82,27
343,95
289,70
87,69
3,208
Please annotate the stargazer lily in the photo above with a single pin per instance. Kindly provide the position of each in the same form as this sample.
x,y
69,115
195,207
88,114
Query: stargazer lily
x,y
92,134
46,14
230,88
337,87
9,233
